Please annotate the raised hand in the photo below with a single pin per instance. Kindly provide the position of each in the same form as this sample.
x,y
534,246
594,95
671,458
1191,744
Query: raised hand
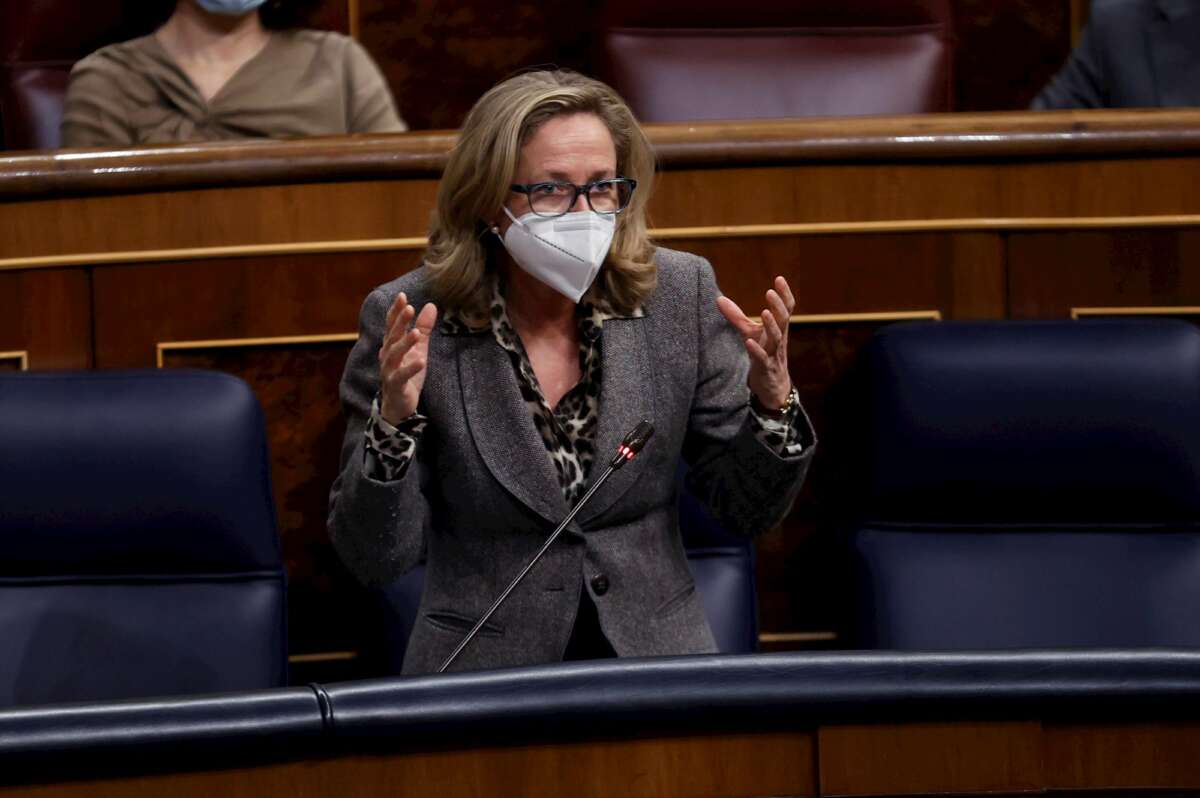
x,y
766,341
403,357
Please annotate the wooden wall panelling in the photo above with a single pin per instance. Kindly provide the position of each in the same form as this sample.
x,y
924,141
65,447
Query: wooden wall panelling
x,y
142,306
1134,757
1007,50
930,758
1053,272
731,765
315,212
440,57
335,15
46,314
975,195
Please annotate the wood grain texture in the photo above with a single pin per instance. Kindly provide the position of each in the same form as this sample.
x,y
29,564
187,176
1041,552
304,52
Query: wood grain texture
x,y
217,217
440,57
1132,756
930,758
716,766
48,314
1051,273
1006,51
989,137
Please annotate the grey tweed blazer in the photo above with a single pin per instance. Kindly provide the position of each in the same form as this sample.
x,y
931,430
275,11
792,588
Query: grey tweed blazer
x,y
481,495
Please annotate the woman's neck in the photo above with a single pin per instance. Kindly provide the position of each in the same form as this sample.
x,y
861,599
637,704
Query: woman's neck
x,y
196,36
532,305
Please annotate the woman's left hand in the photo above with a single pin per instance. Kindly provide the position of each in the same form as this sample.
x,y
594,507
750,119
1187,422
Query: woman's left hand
x,y
766,341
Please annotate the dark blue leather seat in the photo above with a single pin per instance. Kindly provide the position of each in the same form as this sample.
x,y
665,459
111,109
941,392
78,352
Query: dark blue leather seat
x,y
138,551
1030,484
721,564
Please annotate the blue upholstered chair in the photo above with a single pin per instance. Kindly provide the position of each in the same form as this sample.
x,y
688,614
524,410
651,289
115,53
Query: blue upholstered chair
x,y
138,551
1029,484
722,565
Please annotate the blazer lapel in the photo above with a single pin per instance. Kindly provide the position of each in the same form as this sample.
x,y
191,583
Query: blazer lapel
x,y
626,397
502,427
1173,37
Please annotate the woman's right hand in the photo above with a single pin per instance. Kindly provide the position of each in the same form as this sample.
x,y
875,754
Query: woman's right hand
x,y
402,359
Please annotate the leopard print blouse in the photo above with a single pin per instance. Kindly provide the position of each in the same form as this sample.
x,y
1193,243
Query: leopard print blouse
x,y
567,430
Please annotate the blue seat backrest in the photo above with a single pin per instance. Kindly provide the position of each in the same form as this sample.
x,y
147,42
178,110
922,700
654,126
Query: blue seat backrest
x,y
722,565
1028,484
138,547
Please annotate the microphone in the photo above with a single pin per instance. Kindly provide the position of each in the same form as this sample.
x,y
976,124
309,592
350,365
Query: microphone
x,y
630,447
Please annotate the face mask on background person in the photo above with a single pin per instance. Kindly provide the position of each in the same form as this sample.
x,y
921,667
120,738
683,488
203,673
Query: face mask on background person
x,y
230,8
564,252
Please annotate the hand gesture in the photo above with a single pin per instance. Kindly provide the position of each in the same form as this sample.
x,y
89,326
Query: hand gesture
x,y
402,359
766,341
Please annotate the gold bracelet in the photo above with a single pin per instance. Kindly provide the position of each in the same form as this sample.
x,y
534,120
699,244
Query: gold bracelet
x,y
789,404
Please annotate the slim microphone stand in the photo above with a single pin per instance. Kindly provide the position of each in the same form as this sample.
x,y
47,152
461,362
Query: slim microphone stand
x,y
629,448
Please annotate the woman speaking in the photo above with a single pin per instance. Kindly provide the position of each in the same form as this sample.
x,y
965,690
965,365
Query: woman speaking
x,y
490,386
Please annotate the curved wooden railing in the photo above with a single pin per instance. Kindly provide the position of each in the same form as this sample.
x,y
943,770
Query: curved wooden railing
x,y
988,136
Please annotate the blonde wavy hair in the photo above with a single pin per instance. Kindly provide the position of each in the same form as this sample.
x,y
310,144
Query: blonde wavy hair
x,y
482,166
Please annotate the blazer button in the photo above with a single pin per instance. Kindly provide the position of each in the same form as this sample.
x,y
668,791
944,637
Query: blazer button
x,y
600,584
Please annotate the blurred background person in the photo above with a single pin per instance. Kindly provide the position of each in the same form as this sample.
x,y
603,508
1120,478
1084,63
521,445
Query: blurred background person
x,y
1132,54
226,69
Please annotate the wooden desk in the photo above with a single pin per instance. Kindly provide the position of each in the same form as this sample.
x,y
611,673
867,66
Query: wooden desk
x,y
254,258
957,758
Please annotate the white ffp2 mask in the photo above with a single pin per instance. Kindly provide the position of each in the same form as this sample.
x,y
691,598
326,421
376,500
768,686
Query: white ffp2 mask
x,y
564,252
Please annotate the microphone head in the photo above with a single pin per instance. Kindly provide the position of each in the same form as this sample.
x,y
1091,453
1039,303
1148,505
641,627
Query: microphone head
x,y
638,436
632,444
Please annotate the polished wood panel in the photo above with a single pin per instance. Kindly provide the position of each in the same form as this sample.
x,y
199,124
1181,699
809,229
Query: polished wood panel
x,y
1047,134
47,314
1006,51
966,758
930,758
217,217
715,766
439,58
1132,757
140,306
1051,273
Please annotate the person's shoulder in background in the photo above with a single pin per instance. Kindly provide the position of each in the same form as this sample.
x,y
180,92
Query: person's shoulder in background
x,y
370,106
1110,67
102,89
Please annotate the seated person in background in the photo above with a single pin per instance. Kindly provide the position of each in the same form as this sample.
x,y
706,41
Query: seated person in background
x,y
1133,54
476,422
226,69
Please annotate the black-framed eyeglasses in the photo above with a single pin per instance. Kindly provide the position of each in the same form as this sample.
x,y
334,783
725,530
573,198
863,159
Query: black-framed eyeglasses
x,y
605,197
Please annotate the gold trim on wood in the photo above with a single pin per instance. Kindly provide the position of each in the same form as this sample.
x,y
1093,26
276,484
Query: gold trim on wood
x,y
1181,310
856,318
661,234
230,343
979,224
210,253
797,637
21,356
323,656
